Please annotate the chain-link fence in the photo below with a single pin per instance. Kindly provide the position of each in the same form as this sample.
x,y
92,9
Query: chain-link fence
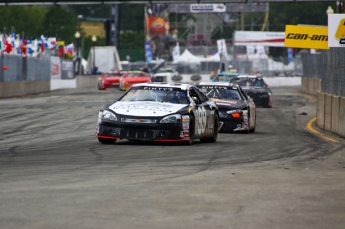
x,y
328,65
17,68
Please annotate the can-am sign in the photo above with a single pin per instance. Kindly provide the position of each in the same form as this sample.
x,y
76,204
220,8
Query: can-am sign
x,y
207,8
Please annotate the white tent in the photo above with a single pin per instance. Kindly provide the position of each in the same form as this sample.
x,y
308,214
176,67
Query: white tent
x,y
106,59
187,57
215,58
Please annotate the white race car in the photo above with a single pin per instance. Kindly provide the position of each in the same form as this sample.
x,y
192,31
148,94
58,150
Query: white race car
x,y
159,112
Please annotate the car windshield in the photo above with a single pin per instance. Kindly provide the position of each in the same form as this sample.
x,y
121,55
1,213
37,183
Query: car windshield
x,y
221,92
165,70
136,74
254,82
223,77
163,95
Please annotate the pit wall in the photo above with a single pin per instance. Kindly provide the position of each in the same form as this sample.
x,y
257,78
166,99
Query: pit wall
x,y
330,109
21,88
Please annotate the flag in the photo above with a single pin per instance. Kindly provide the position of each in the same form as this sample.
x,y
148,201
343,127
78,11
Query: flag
x,y
148,52
69,50
29,46
8,45
24,45
52,43
2,45
176,52
12,40
19,46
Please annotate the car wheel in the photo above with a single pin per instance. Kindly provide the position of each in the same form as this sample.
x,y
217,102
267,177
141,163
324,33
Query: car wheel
x,y
191,130
249,127
100,88
215,131
106,140
120,86
253,129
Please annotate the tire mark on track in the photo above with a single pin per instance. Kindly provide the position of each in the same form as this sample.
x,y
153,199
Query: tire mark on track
x,y
99,156
13,153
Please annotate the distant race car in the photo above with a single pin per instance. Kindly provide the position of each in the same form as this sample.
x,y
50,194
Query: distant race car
x,y
224,76
237,112
159,112
133,77
109,79
165,75
256,88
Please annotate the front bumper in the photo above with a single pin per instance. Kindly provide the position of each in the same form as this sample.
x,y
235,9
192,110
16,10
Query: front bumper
x,y
230,124
172,132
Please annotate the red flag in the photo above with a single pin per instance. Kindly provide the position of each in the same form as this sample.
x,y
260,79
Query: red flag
x,y
8,47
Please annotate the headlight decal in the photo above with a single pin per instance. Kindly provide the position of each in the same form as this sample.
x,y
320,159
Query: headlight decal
x,y
171,119
109,115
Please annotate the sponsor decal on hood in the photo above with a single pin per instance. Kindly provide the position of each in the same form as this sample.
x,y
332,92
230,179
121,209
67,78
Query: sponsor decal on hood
x,y
146,108
225,102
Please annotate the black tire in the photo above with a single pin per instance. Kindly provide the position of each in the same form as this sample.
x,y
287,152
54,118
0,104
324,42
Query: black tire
x,y
215,131
100,88
249,127
191,130
253,129
106,141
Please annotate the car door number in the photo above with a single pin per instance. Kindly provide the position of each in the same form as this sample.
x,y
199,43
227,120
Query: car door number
x,y
201,122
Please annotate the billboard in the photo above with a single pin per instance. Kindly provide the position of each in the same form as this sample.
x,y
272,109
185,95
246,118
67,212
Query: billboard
x,y
306,36
157,30
273,39
336,30
67,70
207,8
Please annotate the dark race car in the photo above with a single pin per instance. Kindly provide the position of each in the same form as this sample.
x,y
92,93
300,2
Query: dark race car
x,y
159,112
256,88
237,112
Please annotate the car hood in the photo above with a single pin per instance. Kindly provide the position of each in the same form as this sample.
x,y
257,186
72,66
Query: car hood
x,y
141,109
116,78
164,74
137,79
228,103
259,89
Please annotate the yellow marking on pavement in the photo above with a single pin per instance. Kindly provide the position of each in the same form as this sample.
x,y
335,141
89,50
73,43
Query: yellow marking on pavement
x,y
305,95
310,128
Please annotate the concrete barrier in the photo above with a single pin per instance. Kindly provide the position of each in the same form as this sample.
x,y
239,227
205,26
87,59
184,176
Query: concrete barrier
x,y
335,114
341,130
21,88
304,85
328,112
87,81
320,110
310,86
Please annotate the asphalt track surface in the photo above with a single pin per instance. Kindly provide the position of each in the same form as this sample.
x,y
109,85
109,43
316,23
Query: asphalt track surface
x,y
55,174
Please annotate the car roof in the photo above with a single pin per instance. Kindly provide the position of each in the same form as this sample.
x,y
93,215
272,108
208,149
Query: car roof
x,y
182,86
228,73
248,76
135,71
224,84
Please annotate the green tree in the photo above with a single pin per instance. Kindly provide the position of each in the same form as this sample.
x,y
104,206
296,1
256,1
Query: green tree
x,y
23,19
309,13
60,22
